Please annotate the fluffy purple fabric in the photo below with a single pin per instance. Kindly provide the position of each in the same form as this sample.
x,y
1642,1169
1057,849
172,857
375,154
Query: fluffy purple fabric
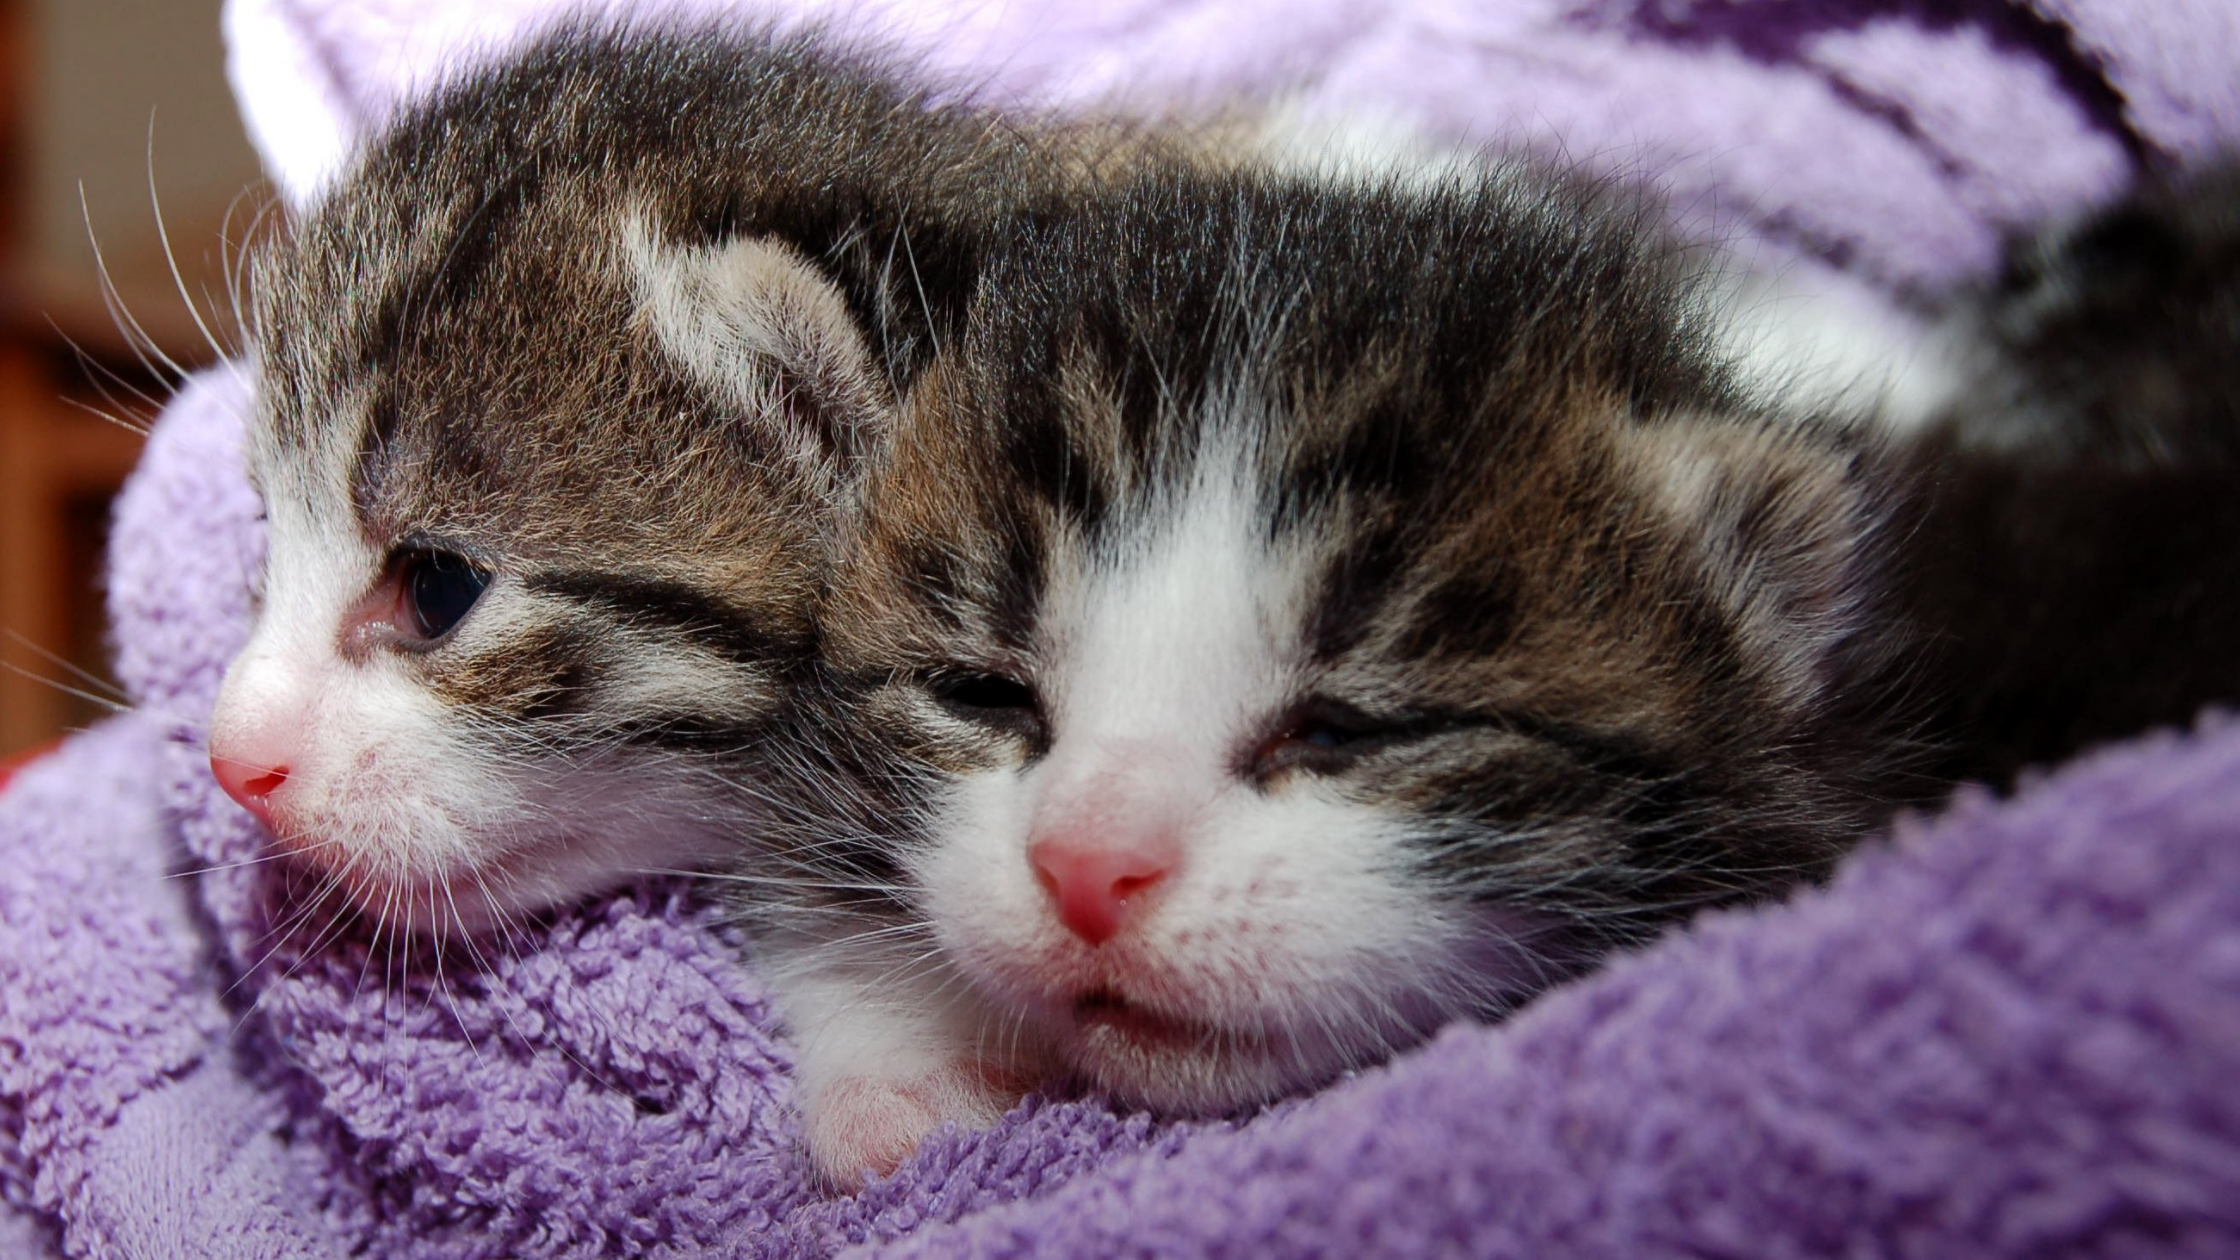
x,y
2013,1033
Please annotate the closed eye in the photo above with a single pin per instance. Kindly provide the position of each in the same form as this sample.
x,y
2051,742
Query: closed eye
x,y
995,701
1325,736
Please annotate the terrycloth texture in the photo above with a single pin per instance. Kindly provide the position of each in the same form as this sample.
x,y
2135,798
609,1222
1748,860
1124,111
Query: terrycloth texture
x,y
2012,1034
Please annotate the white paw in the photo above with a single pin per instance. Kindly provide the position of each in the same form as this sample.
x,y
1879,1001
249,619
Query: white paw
x,y
865,1126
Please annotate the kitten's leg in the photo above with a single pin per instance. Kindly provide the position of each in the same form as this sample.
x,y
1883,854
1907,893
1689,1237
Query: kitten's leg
x,y
884,1060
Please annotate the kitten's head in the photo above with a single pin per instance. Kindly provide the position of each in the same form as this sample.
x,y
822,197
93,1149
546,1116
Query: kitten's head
x,y
556,394
1295,618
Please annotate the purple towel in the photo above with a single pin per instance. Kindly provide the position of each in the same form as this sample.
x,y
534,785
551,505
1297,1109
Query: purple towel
x,y
2013,1033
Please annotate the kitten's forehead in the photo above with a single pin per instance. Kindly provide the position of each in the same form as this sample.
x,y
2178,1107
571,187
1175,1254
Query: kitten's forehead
x,y
1422,394
1183,624
497,380
393,292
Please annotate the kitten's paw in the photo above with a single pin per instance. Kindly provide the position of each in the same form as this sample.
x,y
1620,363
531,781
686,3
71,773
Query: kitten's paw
x,y
865,1126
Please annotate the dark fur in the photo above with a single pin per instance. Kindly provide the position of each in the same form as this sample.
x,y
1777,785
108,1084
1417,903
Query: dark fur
x,y
2115,338
2074,543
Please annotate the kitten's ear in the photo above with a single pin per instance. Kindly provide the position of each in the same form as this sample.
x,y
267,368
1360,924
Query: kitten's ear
x,y
752,318
1780,524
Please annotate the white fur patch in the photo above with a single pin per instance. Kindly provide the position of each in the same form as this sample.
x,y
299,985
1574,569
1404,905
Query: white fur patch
x,y
412,807
887,1055
380,782
1357,146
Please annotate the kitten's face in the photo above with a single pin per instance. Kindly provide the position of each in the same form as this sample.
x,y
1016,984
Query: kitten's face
x,y
531,586
557,396
1269,686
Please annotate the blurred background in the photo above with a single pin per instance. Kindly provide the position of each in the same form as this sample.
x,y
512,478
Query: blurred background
x,y
108,97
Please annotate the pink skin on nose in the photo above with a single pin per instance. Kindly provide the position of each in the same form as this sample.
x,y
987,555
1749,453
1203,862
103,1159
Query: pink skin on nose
x,y
252,741
258,734
1101,841
250,784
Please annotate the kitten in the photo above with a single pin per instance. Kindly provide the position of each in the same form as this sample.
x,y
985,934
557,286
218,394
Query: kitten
x,y
1283,614
1291,617
557,391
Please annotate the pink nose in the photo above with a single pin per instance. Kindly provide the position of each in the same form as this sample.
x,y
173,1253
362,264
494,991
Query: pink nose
x,y
249,784
1094,879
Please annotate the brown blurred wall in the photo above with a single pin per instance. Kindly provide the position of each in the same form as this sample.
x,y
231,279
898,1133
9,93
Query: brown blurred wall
x,y
84,85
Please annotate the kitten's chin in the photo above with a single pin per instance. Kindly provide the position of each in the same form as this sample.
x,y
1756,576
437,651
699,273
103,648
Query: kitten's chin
x,y
474,896
1149,1058
464,900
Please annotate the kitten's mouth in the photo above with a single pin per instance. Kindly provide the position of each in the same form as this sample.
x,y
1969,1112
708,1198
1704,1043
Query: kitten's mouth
x,y
1145,1056
1103,1012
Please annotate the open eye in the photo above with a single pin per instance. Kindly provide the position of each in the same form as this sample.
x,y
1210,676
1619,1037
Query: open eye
x,y
992,700
438,588
1324,736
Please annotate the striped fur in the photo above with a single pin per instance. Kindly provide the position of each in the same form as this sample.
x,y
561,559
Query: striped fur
x,y
866,488
614,324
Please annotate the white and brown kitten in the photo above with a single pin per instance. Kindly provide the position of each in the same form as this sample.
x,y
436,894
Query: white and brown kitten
x,y
1293,616
557,391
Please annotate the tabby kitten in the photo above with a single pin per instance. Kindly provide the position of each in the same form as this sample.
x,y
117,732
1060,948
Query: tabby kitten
x,y
1291,617
556,392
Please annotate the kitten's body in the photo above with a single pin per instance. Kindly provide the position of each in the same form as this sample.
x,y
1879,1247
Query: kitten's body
x,y
1292,617
2115,339
2064,604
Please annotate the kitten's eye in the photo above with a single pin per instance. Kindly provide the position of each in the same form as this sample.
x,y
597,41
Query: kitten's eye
x,y
439,587
991,700
1324,736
